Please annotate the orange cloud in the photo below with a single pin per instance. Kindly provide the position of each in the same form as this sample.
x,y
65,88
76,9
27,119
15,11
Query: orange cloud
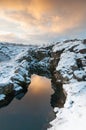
x,y
42,16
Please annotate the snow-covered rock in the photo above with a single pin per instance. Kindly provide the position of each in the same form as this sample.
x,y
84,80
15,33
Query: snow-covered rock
x,y
13,65
71,61
71,69
18,62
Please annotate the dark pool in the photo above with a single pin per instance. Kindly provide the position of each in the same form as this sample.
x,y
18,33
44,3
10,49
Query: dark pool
x,y
33,111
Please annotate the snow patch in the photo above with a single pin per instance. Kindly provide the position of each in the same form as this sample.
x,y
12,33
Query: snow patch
x,y
80,73
17,88
2,96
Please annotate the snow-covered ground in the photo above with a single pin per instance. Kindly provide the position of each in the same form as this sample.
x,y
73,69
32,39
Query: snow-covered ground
x,y
72,68
13,65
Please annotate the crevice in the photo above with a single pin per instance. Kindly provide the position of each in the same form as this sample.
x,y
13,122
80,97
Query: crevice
x,y
45,65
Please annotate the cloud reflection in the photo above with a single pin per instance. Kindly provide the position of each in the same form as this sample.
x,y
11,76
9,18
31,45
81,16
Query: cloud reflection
x,y
39,85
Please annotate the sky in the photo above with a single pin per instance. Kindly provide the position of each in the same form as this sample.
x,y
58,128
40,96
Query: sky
x,y
42,21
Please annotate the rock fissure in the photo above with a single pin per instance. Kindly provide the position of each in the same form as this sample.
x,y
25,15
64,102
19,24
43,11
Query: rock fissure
x,y
63,62
40,61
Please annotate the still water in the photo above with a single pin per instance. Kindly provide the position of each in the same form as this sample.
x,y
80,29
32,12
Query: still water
x,y
33,111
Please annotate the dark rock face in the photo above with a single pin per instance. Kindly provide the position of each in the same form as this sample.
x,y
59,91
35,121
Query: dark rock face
x,y
83,51
6,88
39,54
7,100
84,41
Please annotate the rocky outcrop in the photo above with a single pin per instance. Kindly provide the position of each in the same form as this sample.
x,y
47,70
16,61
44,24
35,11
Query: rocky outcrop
x,y
63,62
6,88
23,62
71,62
70,71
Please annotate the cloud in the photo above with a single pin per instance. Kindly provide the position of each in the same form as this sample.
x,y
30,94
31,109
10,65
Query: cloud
x,y
10,37
43,17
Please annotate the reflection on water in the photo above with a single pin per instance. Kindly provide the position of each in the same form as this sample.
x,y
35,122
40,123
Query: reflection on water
x,y
40,85
33,111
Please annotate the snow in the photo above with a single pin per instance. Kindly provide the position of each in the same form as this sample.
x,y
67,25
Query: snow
x,y
15,68
67,60
74,87
11,50
67,65
79,47
73,115
79,73
62,45
17,88
2,97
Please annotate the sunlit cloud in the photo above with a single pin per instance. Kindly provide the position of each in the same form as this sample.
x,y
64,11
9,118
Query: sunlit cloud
x,y
26,18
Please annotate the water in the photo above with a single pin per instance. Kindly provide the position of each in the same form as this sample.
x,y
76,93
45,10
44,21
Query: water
x,y
33,111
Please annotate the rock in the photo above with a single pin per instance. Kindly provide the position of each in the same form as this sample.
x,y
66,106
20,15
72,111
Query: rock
x,y
83,51
6,88
79,63
84,41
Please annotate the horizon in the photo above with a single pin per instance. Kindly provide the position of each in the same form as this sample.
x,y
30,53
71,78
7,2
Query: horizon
x,y
42,21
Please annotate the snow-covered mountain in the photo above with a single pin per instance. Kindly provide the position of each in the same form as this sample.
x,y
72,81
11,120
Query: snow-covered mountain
x,y
64,62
